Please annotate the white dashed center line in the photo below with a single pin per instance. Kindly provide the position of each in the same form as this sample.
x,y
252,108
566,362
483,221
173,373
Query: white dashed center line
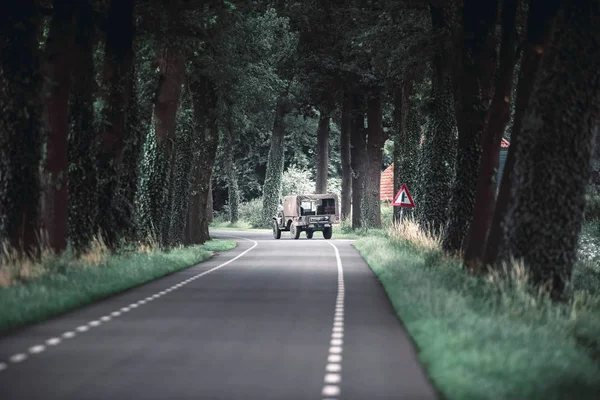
x,y
36,349
333,374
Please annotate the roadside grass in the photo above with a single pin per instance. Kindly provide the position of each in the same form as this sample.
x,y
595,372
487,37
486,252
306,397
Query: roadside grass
x,y
491,337
31,292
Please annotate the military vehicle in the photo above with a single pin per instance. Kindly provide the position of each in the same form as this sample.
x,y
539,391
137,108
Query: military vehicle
x,y
308,213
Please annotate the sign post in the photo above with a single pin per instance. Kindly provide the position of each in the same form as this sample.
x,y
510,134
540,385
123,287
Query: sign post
x,y
403,199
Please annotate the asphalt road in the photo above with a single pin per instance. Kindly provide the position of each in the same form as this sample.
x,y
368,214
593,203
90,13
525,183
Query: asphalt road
x,y
285,319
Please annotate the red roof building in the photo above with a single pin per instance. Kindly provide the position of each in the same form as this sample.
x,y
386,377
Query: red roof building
x,y
386,190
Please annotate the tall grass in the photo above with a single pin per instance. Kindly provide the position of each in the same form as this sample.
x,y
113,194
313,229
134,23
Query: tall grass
x,y
490,337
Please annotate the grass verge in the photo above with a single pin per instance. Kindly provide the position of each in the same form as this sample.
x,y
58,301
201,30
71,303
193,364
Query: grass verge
x,y
66,284
491,337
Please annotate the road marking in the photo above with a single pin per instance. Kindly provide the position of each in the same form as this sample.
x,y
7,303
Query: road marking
x,y
17,358
37,349
333,370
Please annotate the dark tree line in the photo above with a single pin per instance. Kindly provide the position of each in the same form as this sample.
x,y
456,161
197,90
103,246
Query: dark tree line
x,y
119,118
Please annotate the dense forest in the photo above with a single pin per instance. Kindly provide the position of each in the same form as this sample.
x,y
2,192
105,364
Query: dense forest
x,y
140,120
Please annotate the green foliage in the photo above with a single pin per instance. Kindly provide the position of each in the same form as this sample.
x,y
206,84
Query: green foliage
x,y
297,181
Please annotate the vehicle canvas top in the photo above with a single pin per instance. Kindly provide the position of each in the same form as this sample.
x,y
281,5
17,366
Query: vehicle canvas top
x,y
292,204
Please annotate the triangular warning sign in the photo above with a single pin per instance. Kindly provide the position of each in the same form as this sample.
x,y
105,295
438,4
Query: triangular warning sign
x,y
403,198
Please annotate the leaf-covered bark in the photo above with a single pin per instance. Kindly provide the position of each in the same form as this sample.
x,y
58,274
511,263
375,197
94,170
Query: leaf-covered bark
x,y
20,131
357,157
206,140
406,142
57,69
116,88
346,195
553,158
472,74
322,152
272,187
499,114
539,23
374,154
83,181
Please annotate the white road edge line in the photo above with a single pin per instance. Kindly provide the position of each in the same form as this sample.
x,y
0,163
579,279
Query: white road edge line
x,y
17,358
333,370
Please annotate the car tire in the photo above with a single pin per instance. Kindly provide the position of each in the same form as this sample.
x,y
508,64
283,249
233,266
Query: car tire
x,y
276,231
309,234
327,232
294,232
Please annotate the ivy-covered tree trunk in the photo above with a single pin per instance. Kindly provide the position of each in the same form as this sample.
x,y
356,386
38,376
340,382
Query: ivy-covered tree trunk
x,y
129,168
539,22
20,131
322,152
171,69
474,67
375,142
438,154
272,187
552,166
210,211
184,162
406,142
83,182
232,178
205,144
116,93
57,72
499,114
357,157
346,196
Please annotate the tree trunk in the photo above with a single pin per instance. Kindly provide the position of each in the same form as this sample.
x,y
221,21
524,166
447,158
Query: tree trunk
x,y
346,198
171,69
499,115
184,163
210,210
375,142
20,133
83,182
551,170
58,67
272,186
541,13
472,79
117,84
322,152
439,145
129,168
230,168
207,139
406,142
357,157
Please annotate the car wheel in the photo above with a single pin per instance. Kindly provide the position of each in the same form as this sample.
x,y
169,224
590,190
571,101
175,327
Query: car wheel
x,y
327,232
309,234
276,231
294,231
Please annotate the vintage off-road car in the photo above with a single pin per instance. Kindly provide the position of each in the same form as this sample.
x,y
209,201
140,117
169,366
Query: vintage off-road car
x,y
307,213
